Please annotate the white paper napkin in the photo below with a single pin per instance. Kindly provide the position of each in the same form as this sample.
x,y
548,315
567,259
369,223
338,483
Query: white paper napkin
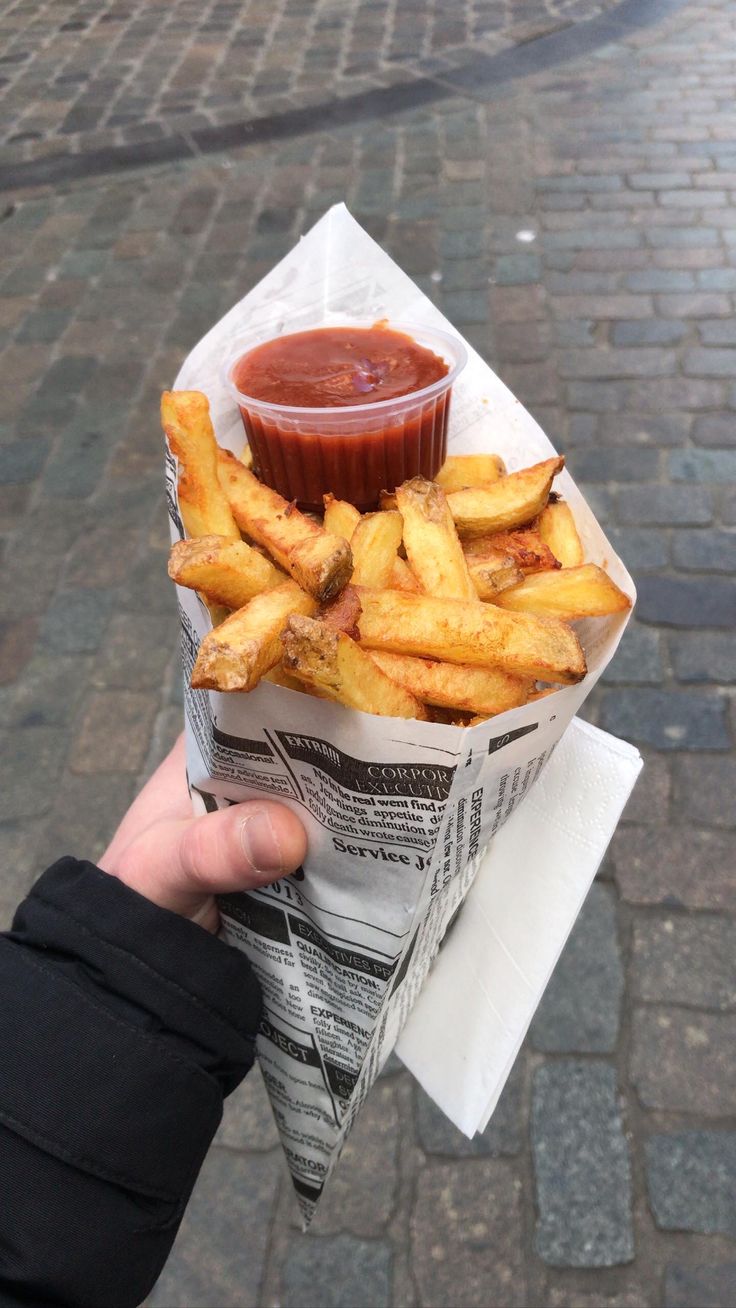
x,y
466,1029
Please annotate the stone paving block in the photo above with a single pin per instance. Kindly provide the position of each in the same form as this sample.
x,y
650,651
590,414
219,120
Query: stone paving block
x,y
247,1121
645,428
649,801
50,690
468,1214
437,1135
702,465
75,621
19,866
630,1295
685,960
698,551
620,463
17,640
652,331
686,720
220,1251
676,866
687,601
336,1271
31,763
666,506
704,790
638,659
581,1164
22,461
580,1008
704,656
683,1060
715,429
708,1286
691,1178
135,651
362,1192
640,547
114,732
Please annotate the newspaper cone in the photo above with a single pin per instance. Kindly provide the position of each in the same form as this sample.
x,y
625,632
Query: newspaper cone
x,y
398,812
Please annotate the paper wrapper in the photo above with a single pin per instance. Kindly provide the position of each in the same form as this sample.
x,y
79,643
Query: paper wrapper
x,y
398,813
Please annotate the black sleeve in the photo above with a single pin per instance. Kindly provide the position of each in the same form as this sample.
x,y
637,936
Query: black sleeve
x,y
122,1026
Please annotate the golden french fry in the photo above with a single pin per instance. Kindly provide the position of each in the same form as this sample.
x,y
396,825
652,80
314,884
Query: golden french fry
x,y
431,542
374,543
492,573
462,470
387,500
320,562
584,592
556,526
185,417
455,686
225,571
511,502
525,547
458,631
330,662
341,518
237,653
402,577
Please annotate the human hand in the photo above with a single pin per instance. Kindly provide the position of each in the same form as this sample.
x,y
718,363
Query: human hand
x,y
181,862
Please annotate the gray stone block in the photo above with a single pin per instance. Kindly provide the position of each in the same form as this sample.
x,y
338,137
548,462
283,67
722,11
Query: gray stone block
x,y
704,551
247,1120
362,1192
620,463
31,761
437,1135
50,690
582,1169
666,506
684,1061
638,659
707,1286
22,461
685,960
699,465
705,789
715,429
704,656
579,1012
666,719
691,1178
336,1271
220,1251
686,602
640,547
75,621
648,331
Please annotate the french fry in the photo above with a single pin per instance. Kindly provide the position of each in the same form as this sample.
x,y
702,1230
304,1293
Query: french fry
x,y
320,562
455,686
457,631
556,526
185,417
375,543
247,644
225,571
333,664
492,573
341,518
584,592
513,501
462,470
402,577
387,500
525,547
431,542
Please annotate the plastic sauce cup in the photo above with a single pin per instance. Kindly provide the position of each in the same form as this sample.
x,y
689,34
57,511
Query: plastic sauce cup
x,y
353,451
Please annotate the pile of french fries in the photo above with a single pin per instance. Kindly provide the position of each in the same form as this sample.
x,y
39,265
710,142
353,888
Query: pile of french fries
x,y
450,603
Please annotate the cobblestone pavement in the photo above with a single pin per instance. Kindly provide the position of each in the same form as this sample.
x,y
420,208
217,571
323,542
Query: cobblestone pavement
x,y
606,1177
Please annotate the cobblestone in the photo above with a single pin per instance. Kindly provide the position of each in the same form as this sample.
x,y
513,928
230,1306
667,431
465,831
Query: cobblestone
x,y
690,1178
676,866
688,720
709,1287
680,1060
704,790
335,1271
685,960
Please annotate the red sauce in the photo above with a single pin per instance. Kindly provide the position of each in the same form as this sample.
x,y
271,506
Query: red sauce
x,y
333,368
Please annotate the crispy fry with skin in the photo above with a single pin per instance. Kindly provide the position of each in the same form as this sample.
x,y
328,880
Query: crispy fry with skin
x,y
226,572
341,518
525,547
458,631
584,592
320,562
387,500
493,572
402,577
185,417
462,470
375,543
556,526
513,501
455,686
247,644
330,662
342,613
431,542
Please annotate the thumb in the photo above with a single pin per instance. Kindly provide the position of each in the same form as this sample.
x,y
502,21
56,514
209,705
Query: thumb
x,y
181,863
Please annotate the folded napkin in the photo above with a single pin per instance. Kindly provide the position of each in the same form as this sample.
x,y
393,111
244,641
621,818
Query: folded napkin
x,y
466,1028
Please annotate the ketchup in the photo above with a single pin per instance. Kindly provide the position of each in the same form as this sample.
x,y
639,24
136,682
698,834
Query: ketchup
x,y
353,455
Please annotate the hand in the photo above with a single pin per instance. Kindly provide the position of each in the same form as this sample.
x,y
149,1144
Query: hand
x,y
181,862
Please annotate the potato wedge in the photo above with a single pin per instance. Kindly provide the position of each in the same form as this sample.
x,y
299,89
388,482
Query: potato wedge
x,y
185,417
458,631
320,562
402,577
227,572
237,653
492,573
455,686
341,518
431,542
525,547
333,664
462,470
511,502
584,592
375,543
556,526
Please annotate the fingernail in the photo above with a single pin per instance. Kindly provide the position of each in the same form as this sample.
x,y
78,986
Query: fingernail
x,y
260,843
